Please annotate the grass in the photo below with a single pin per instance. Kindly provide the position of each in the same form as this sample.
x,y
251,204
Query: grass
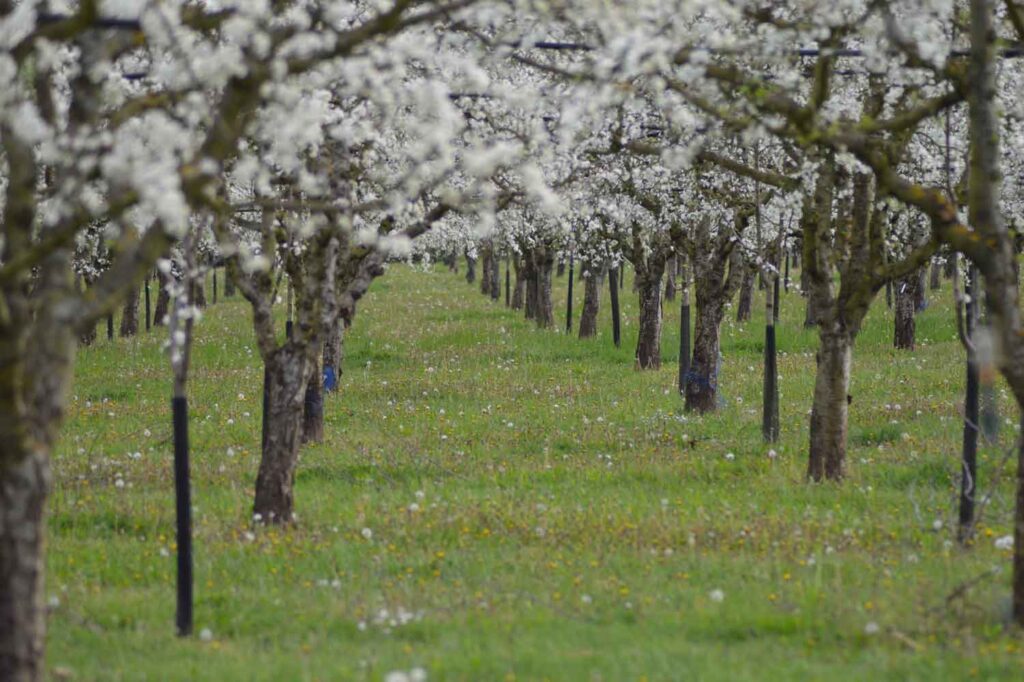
x,y
538,510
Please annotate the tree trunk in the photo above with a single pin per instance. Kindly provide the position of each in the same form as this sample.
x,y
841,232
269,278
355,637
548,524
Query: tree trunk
x,y
200,292
830,410
163,299
921,290
746,302
24,486
906,293
670,279
486,263
334,352
229,285
530,286
495,273
684,326
936,276
591,303
287,374
519,291
648,343
130,313
470,269
545,306
313,407
702,379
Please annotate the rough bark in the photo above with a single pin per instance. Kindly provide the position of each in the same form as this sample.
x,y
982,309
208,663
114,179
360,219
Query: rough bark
x,y
702,380
830,410
229,285
287,374
200,293
746,302
470,269
486,263
495,276
313,407
614,285
529,271
670,278
591,302
904,312
163,299
519,290
334,350
130,313
648,343
935,281
545,265
24,485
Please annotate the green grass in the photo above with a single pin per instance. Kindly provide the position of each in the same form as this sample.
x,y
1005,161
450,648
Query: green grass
x,y
573,522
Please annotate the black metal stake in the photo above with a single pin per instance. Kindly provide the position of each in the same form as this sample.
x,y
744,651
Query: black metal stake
x,y
183,501
568,302
613,287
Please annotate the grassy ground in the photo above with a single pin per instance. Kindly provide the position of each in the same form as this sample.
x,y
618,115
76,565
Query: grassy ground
x,y
536,509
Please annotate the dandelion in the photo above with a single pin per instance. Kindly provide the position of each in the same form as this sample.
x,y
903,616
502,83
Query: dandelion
x,y
1005,542
871,628
729,456
716,595
366,533
206,635
772,454
937,524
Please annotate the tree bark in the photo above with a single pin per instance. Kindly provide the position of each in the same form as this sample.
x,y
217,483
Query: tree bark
x,y
935,282
519,290
648,343
313,407
334,351
545,265
470,269
287,374
486,263
702,379
670,280
529,271
904,312
495,275
163,299
591,302
830,409
24,486
746,302
130,314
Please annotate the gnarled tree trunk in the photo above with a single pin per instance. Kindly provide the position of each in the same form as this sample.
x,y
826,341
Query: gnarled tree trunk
x,y
163,299
544,267
904,311
746,302
288,371
830,410
671,268
130,313
648,343
519,288
702,379
24,486
591,302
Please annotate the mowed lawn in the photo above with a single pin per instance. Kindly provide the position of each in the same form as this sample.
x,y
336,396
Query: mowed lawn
x,y
494,502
